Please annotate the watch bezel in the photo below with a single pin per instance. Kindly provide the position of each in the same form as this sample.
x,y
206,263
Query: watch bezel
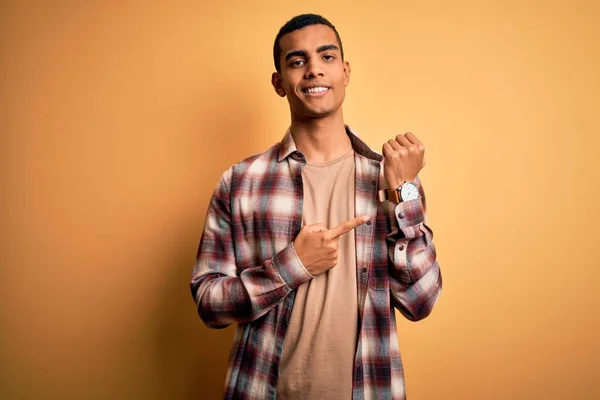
x,y
404,187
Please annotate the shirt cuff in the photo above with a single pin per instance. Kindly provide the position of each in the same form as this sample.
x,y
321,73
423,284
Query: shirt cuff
x,y
290,268
410,215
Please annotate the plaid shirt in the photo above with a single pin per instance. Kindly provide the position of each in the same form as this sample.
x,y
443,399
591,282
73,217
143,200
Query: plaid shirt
x,y
247,270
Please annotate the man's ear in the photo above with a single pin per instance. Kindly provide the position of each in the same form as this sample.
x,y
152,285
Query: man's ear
x,y
277,83
346,73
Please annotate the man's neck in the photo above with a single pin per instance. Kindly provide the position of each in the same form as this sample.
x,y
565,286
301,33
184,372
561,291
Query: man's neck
x,y
321,140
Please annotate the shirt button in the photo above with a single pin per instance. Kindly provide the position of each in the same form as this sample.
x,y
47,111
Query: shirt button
x,y
373,183
368,222
401,215
295,223
298,180
401,247
364,270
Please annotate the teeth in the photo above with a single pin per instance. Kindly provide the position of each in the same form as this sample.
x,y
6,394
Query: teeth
x,y
316,90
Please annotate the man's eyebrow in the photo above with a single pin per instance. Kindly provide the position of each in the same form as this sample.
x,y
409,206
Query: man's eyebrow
x,y
302,53
295,53
327,47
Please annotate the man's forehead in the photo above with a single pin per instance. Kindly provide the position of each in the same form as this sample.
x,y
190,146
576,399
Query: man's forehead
x,y
308,38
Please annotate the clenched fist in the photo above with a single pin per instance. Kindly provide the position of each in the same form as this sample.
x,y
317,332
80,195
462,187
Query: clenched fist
x,y
403,158
317,246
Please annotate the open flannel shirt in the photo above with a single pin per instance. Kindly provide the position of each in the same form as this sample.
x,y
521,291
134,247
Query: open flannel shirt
x,y
247,270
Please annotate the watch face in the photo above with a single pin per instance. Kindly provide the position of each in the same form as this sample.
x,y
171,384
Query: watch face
x,y
409,191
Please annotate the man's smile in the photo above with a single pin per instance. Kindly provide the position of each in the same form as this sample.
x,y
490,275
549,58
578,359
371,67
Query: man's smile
x,y
315,91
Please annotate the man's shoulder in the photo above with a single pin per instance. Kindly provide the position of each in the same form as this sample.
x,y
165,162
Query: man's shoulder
x,y
263,158
254,164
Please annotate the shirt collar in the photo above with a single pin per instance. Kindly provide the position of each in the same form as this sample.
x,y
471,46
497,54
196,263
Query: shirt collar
x,y
287,146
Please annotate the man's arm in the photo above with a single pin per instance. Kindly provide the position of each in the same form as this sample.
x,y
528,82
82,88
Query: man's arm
x,y
415,277
224,295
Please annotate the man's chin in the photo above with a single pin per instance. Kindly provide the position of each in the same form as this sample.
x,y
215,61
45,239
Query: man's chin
x,y
318,112
315,112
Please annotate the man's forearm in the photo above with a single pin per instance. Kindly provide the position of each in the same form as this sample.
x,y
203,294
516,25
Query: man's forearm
x,y
415,277
222,300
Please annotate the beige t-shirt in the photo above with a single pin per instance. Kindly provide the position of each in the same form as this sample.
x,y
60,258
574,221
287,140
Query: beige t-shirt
x,y
320,342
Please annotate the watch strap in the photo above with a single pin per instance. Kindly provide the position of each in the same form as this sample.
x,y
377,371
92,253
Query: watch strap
x,y
392,195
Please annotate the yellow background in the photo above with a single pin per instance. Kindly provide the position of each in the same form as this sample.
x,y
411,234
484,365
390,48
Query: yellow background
x,y
119,117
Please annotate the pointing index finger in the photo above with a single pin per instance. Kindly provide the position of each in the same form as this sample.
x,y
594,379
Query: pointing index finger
x,y
347,226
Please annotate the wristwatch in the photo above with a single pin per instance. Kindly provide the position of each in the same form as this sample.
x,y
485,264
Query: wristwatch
x,y
407,191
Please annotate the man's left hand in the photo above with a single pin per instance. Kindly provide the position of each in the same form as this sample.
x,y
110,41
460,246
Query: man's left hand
x,y
403,158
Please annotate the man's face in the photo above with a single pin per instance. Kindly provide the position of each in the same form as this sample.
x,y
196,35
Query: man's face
x,y
313,75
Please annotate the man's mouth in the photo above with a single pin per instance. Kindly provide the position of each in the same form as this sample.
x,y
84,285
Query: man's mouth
x,y
316,90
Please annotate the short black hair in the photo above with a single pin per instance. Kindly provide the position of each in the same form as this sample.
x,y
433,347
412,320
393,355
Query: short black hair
x,y
299,22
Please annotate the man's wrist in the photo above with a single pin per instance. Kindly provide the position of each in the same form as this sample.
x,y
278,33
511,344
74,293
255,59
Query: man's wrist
x,y
407,190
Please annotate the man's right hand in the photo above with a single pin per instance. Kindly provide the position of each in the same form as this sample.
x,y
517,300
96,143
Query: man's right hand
x,y
317,246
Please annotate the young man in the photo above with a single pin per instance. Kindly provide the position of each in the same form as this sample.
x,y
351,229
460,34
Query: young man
x,y
310,245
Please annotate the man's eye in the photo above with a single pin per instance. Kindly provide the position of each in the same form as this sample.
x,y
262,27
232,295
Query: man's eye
x,y
297,63
328,57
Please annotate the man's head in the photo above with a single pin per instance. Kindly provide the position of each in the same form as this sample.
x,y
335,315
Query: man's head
x,y
310,65
299,22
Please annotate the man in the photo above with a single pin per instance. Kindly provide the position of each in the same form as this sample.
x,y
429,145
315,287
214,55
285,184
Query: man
x,y
310,245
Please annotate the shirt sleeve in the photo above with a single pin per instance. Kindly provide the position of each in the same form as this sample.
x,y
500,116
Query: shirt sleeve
x,y
223,294
415,276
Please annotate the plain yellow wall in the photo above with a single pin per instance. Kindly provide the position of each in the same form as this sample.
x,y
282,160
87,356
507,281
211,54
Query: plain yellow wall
x,y
119,117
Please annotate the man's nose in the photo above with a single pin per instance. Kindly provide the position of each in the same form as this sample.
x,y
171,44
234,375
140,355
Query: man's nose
x,y
313,69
